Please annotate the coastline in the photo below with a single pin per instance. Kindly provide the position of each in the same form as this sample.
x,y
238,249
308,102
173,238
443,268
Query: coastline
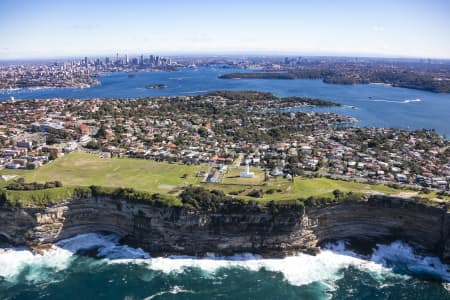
x,y
383,257
269,231
37,88
101,246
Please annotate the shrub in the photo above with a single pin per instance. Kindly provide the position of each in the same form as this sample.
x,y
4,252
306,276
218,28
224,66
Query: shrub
x,y
199,197
21,185
256,193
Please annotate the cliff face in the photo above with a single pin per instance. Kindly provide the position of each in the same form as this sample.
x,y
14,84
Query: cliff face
x,y
232,229
381,219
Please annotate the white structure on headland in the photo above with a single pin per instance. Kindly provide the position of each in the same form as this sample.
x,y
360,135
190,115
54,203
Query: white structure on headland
x,y
247,173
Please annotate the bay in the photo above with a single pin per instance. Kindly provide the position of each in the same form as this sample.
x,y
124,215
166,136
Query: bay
x,y
375,105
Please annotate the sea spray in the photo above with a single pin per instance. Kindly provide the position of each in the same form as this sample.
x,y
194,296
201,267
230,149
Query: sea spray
x,y
388,265
402,259
107,246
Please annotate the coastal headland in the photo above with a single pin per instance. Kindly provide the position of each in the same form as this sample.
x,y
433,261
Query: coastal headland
x,y
174,212
225,172
229,227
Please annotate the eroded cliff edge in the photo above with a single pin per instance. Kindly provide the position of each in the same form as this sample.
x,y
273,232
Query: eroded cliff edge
x,y
233,228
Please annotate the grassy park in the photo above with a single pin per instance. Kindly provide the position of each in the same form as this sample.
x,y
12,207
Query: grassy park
x,y
84,169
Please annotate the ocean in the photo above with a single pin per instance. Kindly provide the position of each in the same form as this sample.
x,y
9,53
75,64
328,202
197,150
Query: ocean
x,y
96,266
121,272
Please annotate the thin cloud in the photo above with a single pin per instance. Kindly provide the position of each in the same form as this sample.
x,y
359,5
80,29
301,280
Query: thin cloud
x,y
377,28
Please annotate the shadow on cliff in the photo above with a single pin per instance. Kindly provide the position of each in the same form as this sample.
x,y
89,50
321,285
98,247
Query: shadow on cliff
x,y
381,220
81,216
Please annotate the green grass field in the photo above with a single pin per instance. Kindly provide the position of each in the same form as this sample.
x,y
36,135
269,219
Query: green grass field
x,y
83,169
232,177
303,188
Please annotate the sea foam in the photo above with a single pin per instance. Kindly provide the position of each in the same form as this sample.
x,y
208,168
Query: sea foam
x,y
396,260
301,269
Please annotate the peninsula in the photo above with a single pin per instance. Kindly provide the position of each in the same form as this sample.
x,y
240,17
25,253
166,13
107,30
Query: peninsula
x,y
273,134
163,173
401,73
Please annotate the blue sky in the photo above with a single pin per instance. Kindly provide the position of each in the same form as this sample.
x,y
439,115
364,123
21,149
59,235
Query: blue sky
x,y
414,28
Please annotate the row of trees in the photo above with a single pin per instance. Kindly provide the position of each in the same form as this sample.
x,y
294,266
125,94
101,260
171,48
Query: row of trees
x,y
200,198
127,194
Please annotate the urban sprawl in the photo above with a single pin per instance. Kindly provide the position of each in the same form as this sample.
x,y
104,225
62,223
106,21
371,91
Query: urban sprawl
x,y
422,74
221,129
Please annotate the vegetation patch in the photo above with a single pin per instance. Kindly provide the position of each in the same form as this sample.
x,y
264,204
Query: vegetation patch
x,y
35,198
21,185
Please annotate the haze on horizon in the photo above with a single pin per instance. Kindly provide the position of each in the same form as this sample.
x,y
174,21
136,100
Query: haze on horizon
x,y
51,28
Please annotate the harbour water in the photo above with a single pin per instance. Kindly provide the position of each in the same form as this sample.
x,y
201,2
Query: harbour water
x,y
373,104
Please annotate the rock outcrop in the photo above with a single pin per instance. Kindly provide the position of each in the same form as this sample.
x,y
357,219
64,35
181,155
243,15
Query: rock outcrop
x,y
269,231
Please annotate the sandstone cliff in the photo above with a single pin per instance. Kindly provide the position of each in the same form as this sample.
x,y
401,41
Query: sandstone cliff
x,y
228,230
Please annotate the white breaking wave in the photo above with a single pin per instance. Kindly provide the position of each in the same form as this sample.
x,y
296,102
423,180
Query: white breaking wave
x,y
301,269
107,246
401,256
40,267
59,257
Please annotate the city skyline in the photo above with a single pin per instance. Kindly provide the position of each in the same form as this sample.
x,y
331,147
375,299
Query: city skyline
x,y
49,29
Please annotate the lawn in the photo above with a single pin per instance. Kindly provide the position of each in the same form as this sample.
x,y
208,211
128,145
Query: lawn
x,y
232,177
302,188
83,169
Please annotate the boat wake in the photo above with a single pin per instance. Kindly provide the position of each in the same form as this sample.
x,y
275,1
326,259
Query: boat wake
x,y
175,290
196,92
397,101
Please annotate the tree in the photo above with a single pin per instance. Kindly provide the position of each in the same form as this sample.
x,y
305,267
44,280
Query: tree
x,y
51,139
337,194
203,132
101,133
53,155
93,145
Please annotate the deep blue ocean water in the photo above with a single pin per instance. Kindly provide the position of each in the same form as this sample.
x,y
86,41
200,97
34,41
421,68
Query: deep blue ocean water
x,y
121,272
373,105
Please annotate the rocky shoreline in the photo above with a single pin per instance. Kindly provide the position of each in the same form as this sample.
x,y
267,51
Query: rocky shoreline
x,y
263,230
